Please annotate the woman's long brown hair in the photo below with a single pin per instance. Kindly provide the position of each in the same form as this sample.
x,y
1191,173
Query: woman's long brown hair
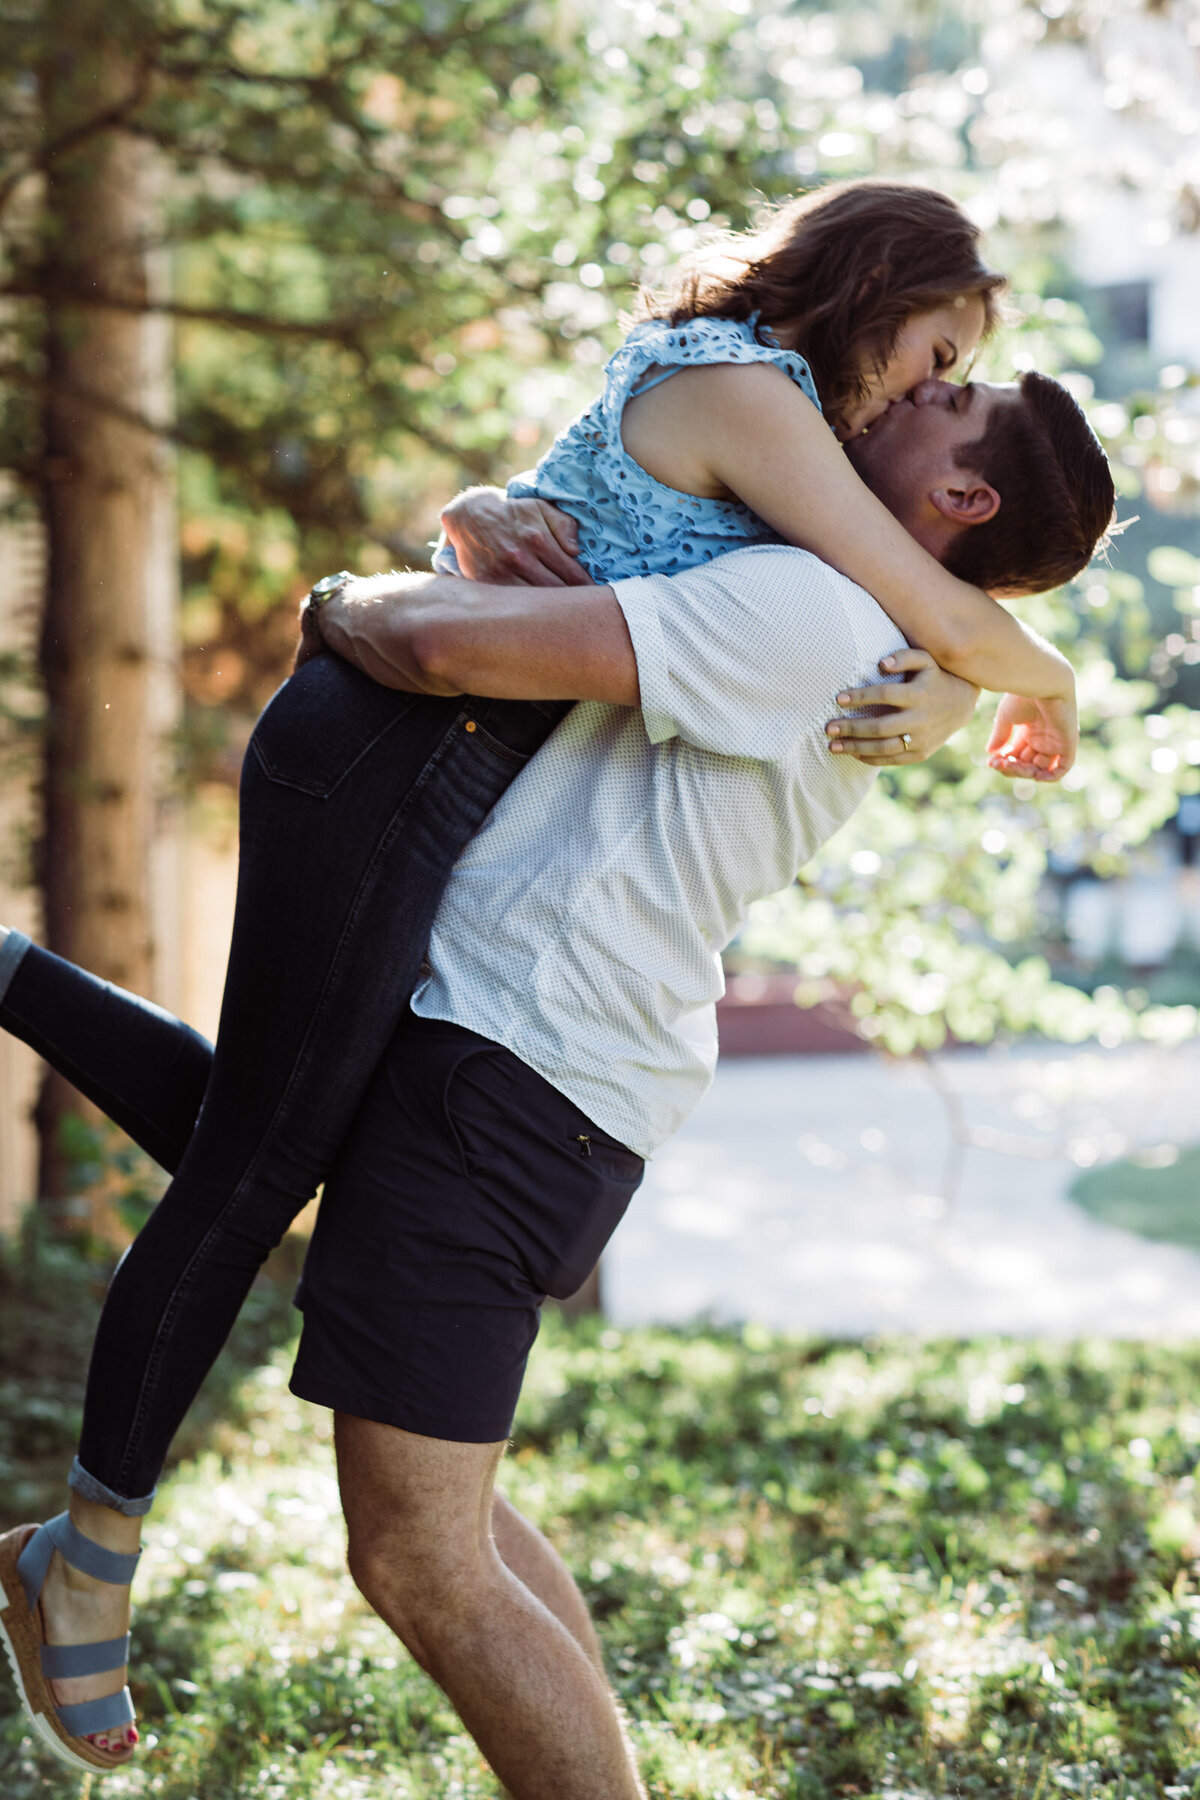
x,y
842,269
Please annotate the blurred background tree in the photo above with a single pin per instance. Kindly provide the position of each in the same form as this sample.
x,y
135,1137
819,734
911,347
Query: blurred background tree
x,y
300,271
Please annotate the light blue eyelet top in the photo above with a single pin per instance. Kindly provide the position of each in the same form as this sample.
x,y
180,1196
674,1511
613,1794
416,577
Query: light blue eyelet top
x,y
629,523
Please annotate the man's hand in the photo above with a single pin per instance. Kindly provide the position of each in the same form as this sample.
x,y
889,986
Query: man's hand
x,y
1036,739
311,642
514,543
924,710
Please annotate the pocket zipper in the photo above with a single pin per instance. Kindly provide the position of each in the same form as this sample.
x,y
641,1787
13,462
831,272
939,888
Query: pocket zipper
x,y
585,1144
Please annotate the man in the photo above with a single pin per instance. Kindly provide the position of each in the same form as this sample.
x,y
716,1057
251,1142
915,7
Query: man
x,y
566,1028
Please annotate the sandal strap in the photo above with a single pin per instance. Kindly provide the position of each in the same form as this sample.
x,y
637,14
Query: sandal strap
x,y
89,1557
63,1661
81,1552
91,1716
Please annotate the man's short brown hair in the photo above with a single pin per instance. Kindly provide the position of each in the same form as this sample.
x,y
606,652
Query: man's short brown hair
x,y
1056,494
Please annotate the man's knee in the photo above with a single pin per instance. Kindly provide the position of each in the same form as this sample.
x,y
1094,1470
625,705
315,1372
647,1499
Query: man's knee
x,y
417,1510
421,1584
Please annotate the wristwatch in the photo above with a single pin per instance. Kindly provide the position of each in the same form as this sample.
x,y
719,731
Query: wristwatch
x,y
328,588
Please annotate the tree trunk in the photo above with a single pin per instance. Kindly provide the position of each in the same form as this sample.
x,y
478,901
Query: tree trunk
x,y
108,512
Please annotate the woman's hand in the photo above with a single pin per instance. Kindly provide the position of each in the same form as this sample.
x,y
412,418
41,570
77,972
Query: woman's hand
x,y
513,543
1036,739
922,711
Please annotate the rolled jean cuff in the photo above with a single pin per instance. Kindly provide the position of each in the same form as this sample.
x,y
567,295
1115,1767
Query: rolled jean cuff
x,y
13,946
88,1488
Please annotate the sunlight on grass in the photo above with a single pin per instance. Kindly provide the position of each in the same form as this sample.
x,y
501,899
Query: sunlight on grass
x,y
1155,1196
819,1570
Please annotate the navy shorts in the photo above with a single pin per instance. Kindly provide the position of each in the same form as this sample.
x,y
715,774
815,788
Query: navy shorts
x,y
467,1190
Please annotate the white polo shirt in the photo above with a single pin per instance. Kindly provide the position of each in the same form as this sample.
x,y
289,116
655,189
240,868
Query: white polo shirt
x,y
582,927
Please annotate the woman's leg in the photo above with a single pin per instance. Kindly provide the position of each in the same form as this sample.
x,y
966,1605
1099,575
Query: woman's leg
x,y
356,801
148,1071
143,1067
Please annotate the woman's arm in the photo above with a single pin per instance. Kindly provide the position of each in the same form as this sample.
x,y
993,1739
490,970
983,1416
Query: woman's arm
x,y
749,431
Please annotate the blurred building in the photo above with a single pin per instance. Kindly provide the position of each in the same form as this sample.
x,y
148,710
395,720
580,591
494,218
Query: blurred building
x,y
1100,132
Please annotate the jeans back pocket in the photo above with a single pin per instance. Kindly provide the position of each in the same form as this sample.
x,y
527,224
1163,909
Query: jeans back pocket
x,y
323,721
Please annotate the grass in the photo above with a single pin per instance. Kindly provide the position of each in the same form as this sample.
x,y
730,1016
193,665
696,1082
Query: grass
x,y
1157,1195
820,1569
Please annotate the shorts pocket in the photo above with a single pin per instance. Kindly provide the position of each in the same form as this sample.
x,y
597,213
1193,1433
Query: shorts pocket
x,y
546,1187
608,1156
594,1225
322,722
600,1177
476,1104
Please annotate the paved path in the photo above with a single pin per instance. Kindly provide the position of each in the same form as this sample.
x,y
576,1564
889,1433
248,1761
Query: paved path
x,y
821,1194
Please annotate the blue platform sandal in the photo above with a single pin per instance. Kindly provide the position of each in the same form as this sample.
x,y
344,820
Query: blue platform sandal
x,y
25,1555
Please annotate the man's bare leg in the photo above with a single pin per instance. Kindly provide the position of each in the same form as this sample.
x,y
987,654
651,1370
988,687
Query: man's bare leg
x,y
533,1560
419,1513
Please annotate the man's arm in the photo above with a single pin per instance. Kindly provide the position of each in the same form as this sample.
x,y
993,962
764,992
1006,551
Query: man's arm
x,y
442,634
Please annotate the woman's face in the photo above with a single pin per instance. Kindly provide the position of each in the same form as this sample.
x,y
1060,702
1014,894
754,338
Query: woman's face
x,y
930,343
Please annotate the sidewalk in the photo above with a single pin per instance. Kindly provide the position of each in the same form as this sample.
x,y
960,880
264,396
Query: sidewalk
x,y
823,1194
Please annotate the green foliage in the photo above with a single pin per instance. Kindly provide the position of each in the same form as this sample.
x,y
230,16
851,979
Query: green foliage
x,y
1174,568
400,237
20,737
51,1290
818,1569
924,907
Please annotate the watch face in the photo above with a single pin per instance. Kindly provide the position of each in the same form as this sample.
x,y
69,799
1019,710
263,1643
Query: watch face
x,y
328,584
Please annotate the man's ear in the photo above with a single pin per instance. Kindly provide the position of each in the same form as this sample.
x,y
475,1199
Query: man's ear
x,y
971,502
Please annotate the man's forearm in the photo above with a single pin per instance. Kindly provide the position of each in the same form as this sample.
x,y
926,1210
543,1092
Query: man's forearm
x,y
441,634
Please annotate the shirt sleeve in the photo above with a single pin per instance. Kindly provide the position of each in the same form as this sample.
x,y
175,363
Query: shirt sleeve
x,y
745,654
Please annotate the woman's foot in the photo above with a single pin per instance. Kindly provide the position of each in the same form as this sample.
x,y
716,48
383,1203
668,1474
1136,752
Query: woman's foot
x,y
64,1606
78,1609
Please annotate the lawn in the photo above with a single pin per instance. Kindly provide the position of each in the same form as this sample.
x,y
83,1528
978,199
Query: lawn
x,y
1156,1195
820,1569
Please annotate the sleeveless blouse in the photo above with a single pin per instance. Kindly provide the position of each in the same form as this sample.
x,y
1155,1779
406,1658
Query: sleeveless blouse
x,y
629,523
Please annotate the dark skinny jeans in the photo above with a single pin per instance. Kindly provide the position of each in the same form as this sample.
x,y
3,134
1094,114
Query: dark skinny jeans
x,y
355,802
